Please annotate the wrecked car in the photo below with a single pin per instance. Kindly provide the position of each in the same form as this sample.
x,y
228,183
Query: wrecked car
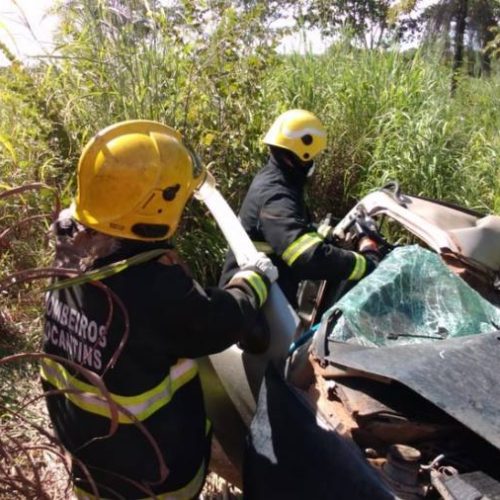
x,y
397,374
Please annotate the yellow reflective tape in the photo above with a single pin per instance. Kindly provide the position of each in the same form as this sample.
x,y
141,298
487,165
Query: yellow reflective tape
x,y
107,271
262,246
259,286
81,494
90,399
299,246
208,426
359,267
187,492
256,282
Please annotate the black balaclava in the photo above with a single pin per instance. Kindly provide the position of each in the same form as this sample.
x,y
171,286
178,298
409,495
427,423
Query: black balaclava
x,y
292,160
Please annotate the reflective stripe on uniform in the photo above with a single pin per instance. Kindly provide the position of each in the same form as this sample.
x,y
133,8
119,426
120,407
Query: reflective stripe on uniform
x,y
299,246
256,282
83,495
359,267
263,246
89,398
107,271
185,493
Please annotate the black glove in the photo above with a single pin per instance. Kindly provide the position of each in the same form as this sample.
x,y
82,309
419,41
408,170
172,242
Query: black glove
x,y
365,227
372,260
257,338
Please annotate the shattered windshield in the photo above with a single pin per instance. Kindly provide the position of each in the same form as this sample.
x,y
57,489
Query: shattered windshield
x,y
411,297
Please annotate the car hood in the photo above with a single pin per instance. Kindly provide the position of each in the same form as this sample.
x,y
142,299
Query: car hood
x,y
459,376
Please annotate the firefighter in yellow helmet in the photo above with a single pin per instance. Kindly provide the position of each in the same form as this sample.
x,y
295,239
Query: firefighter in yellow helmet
x,y
136,320
275,215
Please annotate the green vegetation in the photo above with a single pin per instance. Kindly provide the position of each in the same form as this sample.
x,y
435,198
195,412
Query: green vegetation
x,y
213,73
389,115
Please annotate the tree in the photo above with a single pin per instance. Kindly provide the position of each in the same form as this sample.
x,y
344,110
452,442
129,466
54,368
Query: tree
x,y
460,25
365,20
465,26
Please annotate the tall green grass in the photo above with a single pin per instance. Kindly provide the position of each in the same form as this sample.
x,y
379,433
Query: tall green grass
x,y
389,115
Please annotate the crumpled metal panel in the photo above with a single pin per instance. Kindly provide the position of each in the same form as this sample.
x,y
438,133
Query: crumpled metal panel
x,y
460,376
470,486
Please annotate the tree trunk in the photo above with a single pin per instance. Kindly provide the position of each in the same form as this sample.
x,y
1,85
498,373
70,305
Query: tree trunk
x,y
488,36
485,58
458,56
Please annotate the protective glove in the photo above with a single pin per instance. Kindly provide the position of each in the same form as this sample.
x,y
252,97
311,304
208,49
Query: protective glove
x,y
257,337
325,231
372,261
263,265
258,274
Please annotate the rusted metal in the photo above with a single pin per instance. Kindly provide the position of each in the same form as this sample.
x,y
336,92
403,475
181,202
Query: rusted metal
x,y
473,485
401,472
435,371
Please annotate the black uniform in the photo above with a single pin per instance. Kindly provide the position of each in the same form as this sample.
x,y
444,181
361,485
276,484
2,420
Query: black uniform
x,y
145,358
275,216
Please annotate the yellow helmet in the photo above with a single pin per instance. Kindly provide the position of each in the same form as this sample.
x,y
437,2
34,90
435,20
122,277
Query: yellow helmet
x,y
298,131
134,179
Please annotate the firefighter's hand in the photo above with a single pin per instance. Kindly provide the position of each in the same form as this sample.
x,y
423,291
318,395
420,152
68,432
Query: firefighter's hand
x,y
263,265
325,231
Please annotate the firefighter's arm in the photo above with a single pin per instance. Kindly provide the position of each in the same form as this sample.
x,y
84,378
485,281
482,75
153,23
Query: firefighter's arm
x,y
305,250
215,318
255,277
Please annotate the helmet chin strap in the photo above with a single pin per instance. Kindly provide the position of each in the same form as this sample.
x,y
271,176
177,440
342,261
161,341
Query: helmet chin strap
x,y
310,169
